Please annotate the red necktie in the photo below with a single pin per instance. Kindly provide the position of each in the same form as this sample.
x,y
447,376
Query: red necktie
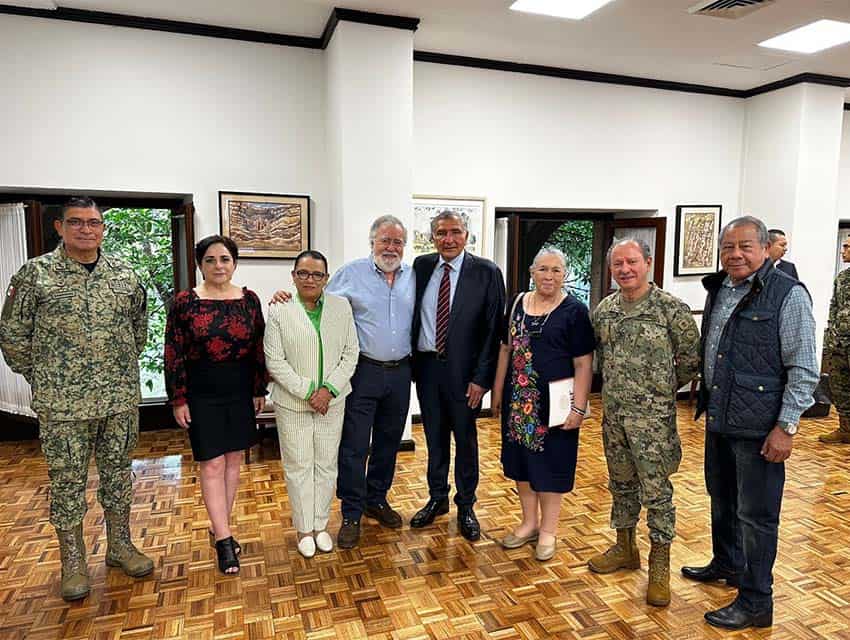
x,y
442,331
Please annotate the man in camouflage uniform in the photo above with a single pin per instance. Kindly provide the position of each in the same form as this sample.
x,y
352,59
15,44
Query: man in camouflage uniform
x,y
647,348
836,352
73,324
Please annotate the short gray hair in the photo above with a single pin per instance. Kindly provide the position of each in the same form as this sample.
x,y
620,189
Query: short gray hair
x,y
381,221
761,228
445,215
549,251
645,251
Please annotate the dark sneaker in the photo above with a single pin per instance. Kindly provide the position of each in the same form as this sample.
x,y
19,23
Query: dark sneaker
x,y
385,515
349,534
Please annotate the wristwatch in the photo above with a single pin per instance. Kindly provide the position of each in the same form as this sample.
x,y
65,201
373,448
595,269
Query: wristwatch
x,y
788,427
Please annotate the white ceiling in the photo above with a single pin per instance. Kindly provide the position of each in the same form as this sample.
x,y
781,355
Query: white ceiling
x,y
648,38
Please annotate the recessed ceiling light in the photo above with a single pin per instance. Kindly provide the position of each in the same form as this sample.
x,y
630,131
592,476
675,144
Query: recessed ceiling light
x,y
572,9
811,38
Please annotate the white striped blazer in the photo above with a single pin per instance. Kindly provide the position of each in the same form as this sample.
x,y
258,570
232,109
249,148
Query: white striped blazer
x,y
292,351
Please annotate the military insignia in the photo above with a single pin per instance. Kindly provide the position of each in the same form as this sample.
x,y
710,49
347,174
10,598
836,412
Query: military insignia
x,y
10,292
121,287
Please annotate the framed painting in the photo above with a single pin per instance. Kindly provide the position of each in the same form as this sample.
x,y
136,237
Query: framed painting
x,y
697,229
265,225
426,208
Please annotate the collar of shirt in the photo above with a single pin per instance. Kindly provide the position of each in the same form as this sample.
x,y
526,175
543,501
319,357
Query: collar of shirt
x,y
319,303
727,281
401,267
456,263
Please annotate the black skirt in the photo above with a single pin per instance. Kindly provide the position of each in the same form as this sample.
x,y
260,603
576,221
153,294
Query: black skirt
x,y
221,403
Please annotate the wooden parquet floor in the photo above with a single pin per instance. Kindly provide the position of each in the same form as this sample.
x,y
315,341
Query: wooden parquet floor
x,y
409,584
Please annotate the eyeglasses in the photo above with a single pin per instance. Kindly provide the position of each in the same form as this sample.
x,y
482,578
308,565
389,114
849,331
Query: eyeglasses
x,y
302,274
395,242
92,223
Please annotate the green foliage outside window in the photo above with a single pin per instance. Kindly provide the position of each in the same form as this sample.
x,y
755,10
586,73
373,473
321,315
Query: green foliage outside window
x,y
575,239
142,237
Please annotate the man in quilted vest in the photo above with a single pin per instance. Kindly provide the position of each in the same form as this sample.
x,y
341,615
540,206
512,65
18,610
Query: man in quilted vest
x,y
759,370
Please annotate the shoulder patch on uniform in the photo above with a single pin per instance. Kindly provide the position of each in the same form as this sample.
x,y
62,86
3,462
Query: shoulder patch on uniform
x,y
10,292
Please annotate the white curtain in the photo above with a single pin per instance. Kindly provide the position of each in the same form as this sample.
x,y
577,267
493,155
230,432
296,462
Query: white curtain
x,y
15,393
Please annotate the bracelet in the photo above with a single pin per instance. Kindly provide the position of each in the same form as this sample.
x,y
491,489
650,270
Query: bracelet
x,y
581,412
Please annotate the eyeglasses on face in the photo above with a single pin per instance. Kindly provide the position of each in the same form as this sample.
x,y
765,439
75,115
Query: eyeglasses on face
x,y
390,242
303,274
91,223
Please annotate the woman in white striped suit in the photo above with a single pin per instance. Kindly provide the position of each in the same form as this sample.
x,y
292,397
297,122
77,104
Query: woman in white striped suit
x,y
311,352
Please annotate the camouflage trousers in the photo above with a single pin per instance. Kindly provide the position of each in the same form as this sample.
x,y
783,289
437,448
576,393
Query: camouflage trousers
x,y
642,453
838,365
67,446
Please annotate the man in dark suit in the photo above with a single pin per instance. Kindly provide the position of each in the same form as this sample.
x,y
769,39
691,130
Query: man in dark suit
x,y
777,249
460,300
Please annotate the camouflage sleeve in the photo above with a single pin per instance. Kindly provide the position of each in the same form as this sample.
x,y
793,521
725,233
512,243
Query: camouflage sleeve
x,y
829,342
684,335
17,323
140,318
594,321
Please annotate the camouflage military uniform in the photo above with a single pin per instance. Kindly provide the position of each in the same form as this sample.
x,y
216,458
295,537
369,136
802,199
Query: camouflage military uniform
x,y
836,351
646,352
76,338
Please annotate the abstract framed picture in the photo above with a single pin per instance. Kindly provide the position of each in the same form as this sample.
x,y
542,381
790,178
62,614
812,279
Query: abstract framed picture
x,y
265,225
426,208
697,229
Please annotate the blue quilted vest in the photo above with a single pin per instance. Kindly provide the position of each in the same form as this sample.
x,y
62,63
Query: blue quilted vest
x,y
749,378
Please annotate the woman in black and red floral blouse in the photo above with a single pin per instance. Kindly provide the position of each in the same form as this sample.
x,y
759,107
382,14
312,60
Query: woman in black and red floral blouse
x,y
216,378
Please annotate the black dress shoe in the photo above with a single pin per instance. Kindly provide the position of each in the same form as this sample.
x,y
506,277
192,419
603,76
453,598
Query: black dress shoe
x,y
349,534
711,573
426,514
385,515
736,617
468,523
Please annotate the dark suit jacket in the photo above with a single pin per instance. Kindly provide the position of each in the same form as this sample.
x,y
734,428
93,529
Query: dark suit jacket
x,y
789,268
472,345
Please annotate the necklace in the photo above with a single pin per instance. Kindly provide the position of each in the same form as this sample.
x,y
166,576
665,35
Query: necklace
x,y
536,326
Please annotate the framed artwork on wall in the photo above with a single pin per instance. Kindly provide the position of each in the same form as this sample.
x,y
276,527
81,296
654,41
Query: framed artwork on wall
x,y
696,250
265,225
425,208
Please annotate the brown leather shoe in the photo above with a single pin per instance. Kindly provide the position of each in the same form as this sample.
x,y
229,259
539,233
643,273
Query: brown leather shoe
x,y
385,515
349,534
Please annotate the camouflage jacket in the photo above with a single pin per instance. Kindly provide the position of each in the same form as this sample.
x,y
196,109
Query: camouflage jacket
x,y
76,337
645,354
837,334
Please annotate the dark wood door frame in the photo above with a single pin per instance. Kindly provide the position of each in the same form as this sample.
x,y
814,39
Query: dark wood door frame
x,y
660,225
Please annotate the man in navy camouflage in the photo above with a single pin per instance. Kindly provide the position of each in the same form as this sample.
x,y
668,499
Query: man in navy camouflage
x,y
73,324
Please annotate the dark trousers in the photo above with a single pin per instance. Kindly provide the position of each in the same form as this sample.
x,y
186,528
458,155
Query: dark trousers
x,y
746,496
443,415
376,408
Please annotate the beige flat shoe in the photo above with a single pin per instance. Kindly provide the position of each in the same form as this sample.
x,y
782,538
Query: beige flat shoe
x,y
512,541
544,552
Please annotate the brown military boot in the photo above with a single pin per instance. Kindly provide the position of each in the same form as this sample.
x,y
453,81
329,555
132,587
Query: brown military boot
x,y
622,555
841,435
75,575
120,551
658,590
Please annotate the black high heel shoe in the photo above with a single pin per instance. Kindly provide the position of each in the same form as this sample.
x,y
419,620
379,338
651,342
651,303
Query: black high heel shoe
x,y
227,559
236,546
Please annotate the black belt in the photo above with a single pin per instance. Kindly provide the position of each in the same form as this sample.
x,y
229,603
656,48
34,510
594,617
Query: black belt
x,y
386,364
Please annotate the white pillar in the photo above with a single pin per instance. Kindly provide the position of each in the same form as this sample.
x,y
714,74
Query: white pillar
x,y
370,134
790,178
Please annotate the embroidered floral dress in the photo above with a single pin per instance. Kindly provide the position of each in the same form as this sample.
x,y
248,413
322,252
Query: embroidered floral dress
x,y
542,351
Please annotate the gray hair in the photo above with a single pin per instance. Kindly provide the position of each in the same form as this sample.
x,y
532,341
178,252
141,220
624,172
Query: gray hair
x,y
549,251
381,221
645,251
761,229
445,215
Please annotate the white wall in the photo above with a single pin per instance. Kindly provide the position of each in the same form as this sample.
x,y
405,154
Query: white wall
x,y
530,141
844,171
91,107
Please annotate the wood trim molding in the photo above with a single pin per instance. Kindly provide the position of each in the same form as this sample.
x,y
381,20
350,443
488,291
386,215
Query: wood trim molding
x,y
811,78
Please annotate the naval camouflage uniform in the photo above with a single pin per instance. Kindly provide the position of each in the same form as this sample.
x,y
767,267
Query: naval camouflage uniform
x,y
646,351
76,338
836,355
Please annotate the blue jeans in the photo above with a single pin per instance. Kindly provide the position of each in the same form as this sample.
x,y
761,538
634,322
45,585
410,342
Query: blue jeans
x,y
746,497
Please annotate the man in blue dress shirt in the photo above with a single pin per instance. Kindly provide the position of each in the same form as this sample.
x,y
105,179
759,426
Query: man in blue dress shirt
x,y
381,290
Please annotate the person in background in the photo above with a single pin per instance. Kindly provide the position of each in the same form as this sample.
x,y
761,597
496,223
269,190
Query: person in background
x,y
215,376
546,337
777,250
311,352
836,351
647,348
74,324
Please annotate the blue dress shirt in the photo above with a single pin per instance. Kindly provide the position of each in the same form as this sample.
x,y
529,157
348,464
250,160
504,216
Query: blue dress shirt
x,y
427,336
382,314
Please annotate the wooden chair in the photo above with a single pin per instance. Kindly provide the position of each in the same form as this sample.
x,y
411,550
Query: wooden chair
x,y
265,420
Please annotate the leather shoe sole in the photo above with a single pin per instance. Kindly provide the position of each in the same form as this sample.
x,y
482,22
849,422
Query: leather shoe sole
x,y
425,516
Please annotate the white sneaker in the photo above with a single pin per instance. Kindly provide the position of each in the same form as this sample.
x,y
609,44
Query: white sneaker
x,y
307,546
324,542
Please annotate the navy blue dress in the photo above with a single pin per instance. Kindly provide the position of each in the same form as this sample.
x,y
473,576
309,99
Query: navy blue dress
x,y
541,352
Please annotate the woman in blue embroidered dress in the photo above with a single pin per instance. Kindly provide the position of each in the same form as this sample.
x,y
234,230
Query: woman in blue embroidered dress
x,y
547,337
